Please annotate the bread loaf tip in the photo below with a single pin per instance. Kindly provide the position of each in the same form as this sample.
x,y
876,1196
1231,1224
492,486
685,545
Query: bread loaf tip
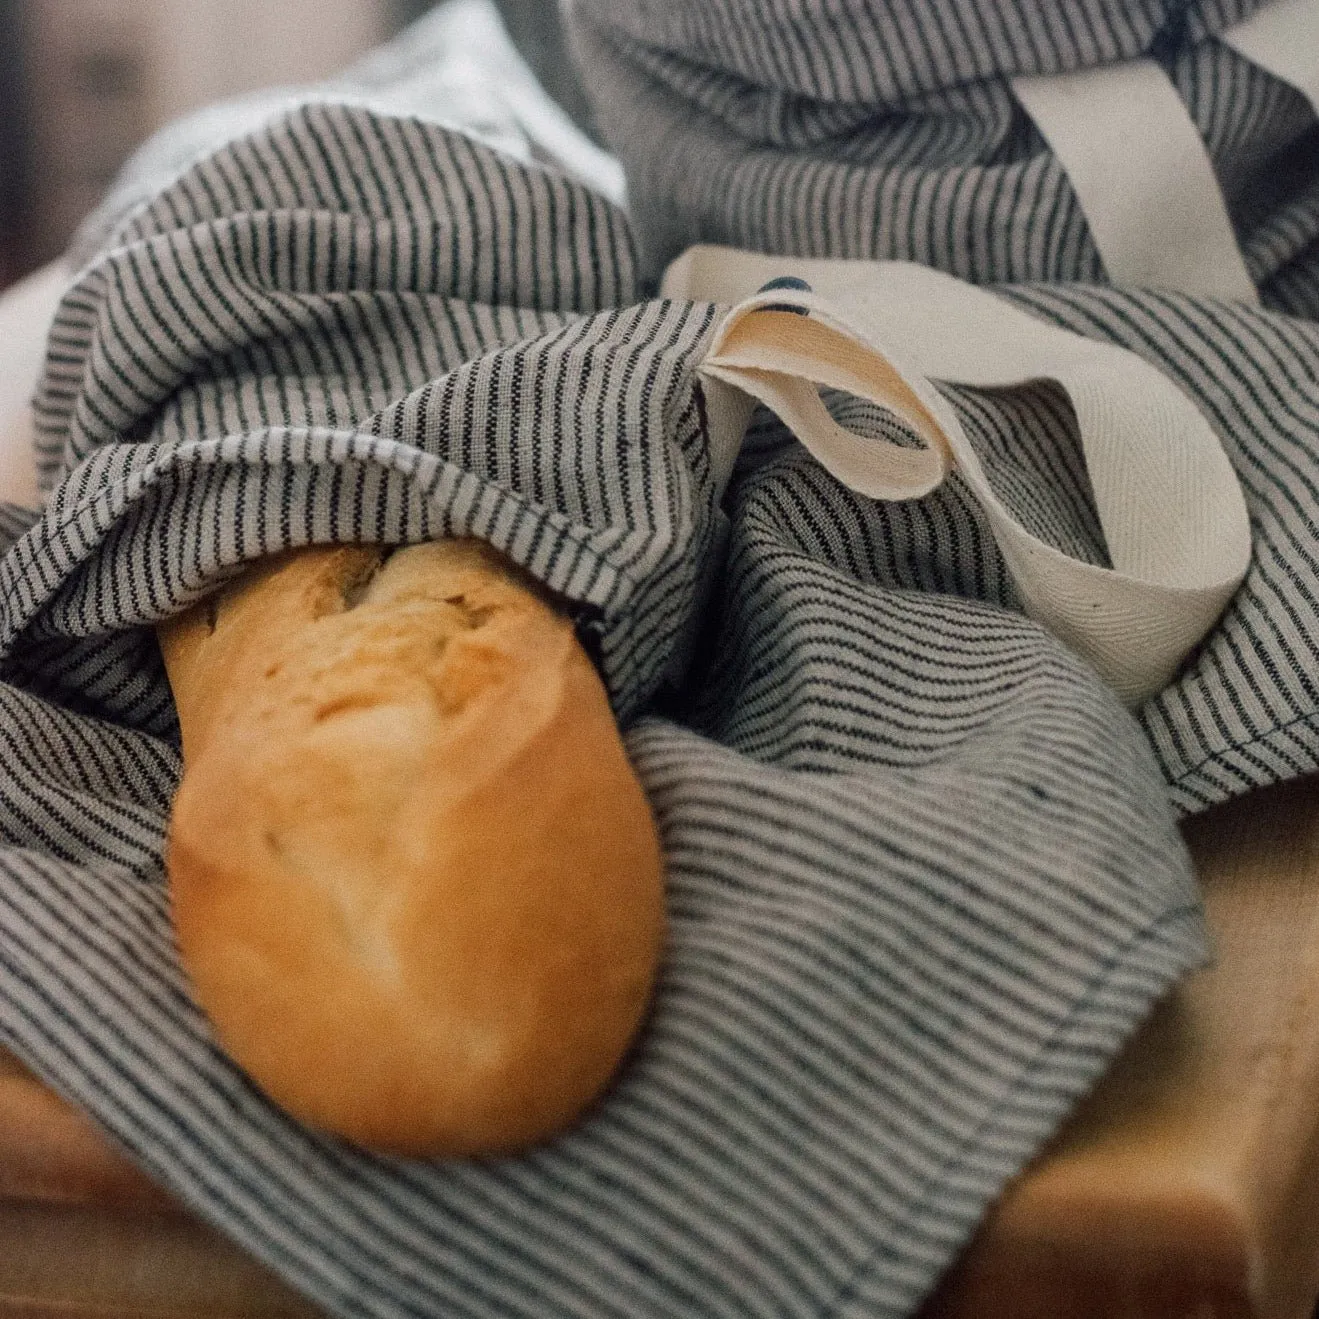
x,y
415,882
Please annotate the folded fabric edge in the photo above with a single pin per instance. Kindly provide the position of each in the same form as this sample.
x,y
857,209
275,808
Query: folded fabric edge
x,y
1027,1117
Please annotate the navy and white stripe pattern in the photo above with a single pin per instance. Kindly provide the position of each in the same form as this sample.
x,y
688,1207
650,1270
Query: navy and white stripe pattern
x,y
924,873
888,129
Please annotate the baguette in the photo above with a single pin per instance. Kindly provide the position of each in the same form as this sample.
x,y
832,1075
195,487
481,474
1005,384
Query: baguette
x,y
414,880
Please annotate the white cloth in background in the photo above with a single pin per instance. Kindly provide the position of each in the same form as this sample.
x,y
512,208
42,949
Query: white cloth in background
x,y
26,312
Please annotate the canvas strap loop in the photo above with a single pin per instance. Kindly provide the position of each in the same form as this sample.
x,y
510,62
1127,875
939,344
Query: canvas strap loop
x,y
1168,501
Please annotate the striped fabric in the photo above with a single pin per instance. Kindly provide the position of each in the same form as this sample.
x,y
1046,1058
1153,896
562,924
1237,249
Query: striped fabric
x,y
888,128
924,871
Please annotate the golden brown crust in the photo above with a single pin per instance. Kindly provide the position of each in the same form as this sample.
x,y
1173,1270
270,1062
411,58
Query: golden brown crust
x,y
415,881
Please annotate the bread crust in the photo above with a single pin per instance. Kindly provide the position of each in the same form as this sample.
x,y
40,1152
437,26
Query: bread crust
x,y
415,882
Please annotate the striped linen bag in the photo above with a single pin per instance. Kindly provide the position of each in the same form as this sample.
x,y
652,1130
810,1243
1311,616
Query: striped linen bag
x,y
924,871
1147,142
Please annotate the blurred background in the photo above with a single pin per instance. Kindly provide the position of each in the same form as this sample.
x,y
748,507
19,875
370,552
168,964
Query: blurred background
x,y
83,82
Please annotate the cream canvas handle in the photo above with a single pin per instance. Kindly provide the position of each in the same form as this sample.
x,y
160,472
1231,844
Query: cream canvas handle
x,y
1169,503
1283,39
1139,167
1143,177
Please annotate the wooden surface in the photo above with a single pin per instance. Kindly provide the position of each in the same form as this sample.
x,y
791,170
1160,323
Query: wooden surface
x,y
1186,1187
85,1235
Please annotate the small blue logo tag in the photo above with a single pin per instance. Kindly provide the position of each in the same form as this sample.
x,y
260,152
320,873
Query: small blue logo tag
x,y
785,282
